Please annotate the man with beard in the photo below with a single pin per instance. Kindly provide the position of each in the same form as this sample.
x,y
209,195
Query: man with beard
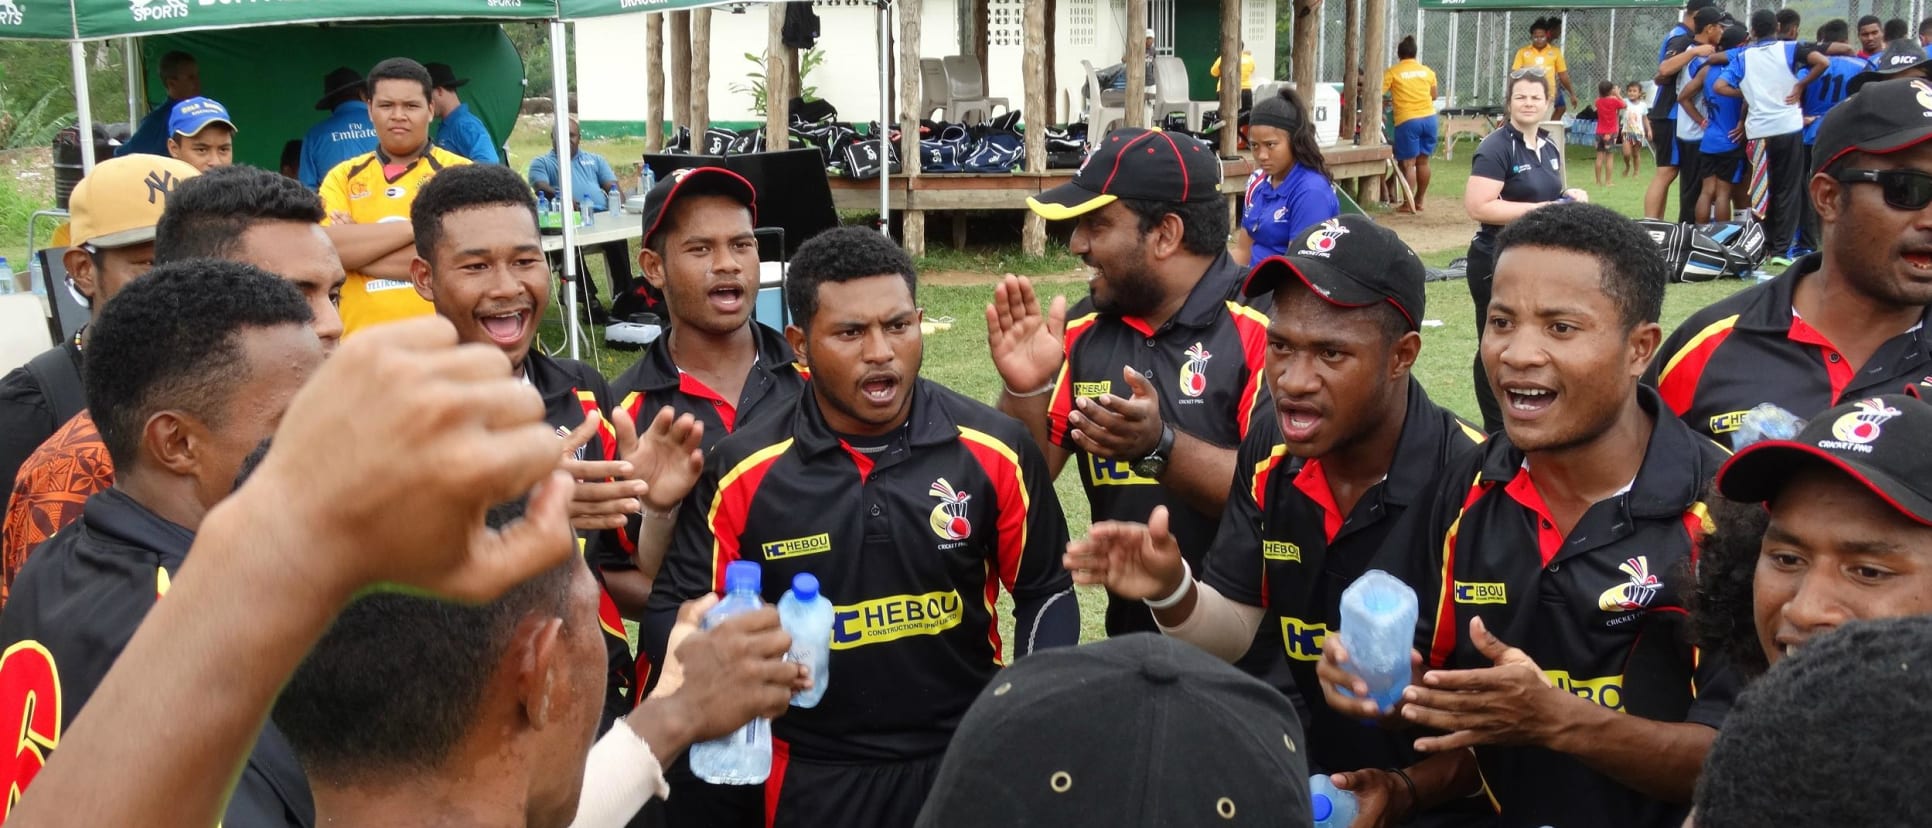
x,y
1150,382
1553,565
1318,487
912,505
1842,323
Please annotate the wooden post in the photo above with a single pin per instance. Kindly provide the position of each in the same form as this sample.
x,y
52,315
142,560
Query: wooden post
x,y
1231,90
1354,84
680,35
1375,61
1135,61
976,36
1304,72
1033,67
778,82
1051,108
654,83
700,71
912,235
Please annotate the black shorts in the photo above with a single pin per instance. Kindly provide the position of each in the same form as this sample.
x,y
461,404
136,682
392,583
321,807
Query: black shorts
x,y
1609,143
1663,141
804,794
1728,167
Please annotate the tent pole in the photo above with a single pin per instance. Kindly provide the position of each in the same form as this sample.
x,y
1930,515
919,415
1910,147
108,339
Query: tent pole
x,y
77,53
132,59
1610,66
1418,30
885,118
559,92
1455,34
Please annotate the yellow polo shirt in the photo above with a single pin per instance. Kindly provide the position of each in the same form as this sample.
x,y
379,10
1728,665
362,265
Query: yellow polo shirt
x,y
1411,86
1549,59
358,188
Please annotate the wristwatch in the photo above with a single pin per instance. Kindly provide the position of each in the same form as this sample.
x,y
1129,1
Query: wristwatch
x,y
1155,463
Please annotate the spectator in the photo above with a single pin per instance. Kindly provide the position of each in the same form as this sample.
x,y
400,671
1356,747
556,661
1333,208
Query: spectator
x,y
590,178
1819,99
1045,745
1871,36
1846,322
1896,29
1835,736
1636,128
1901,59
1764,75
181,77
1546,57
1788,22
1410,88
1693,113
1247,77
1925,32
1517,169
345,134
1680,46
200,133
1721,156
375,190
1609,131
113,211
460,131
1290,188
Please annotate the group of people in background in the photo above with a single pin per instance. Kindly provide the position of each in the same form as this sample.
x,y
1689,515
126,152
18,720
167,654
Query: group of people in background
x,y
1621,623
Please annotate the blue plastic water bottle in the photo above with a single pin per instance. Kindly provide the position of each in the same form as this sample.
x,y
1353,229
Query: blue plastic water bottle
x,y
808,617
1378,628
1333,807
742,757
543,204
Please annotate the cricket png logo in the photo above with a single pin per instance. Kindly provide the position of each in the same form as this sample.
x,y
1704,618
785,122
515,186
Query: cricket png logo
x,y
1194,371
948,519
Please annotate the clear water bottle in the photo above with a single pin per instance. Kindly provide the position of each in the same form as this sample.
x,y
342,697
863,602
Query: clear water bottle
x,y
584,210
614,201
1378,628
1765,422
646,179
543,206
743,756
807,616
36,277
6,277
1332,806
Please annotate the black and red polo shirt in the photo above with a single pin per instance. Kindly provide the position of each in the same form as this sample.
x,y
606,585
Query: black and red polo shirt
x,y
1601,610
1752,348
911,543
74,607
1205,362
655,381
570,390
1284,545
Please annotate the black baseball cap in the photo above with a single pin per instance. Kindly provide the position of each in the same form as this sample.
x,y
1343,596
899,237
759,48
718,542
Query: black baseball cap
x,y
1350,261
1694,5
442,76
1885,443
1142,164
1899,55
1882,117
692,181
1139,730
339,80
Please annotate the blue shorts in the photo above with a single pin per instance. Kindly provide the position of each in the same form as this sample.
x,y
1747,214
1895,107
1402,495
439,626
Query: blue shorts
x,y
1415,138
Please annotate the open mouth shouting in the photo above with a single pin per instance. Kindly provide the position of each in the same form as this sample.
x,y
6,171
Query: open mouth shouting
x,y
727,297
880,389
507,328
1300,421
1526,400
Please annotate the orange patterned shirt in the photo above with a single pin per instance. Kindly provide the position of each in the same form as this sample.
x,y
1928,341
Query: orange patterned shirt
x,y
53,484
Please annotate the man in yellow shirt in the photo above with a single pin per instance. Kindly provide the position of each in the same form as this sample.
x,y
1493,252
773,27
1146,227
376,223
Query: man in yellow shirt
x,y
1544,55
1247,77
377,188
1411,90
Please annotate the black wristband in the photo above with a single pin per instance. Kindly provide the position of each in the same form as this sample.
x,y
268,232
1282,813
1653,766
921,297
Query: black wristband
x,y
1415,804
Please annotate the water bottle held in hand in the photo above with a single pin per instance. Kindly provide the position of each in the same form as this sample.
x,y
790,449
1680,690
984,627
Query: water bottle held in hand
x,y
1765,422
743,756
807,616
1332,806
1378,628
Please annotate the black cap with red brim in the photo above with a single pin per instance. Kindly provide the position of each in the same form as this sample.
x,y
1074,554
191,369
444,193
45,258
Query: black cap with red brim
x,y
1885,443
1883,117
695,181
1140,164
1351,262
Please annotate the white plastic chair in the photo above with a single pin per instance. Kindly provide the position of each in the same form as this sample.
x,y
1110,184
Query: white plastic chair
x,y
1170,81
967,90
933,88
1101,116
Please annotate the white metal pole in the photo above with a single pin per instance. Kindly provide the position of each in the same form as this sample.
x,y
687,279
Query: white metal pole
x,y
1455,34
1418,30
1481,86
1610,65
77,53
559,93
132,57
885,118
1321,48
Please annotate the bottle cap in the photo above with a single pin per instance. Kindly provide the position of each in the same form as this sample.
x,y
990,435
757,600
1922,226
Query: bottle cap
x,y
805,586
743,575
1323,808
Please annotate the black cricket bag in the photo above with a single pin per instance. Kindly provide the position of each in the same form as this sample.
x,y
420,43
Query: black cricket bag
x,y
1701,253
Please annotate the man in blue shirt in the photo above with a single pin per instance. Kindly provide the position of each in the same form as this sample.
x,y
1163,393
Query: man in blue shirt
x,y
461,132
590,177
182,78
1830,90
345,134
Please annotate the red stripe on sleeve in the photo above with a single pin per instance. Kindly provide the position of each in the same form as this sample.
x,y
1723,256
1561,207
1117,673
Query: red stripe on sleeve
x,y
1445,638
1678,385
1062,404
1254,353
1009,508
730,509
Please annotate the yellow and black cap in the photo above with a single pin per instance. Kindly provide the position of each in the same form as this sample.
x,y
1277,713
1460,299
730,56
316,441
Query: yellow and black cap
x,y
1351,262
1141,164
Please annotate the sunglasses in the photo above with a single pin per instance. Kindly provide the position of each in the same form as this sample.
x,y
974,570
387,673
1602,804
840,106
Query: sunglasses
x,y
1527,72
1903,189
